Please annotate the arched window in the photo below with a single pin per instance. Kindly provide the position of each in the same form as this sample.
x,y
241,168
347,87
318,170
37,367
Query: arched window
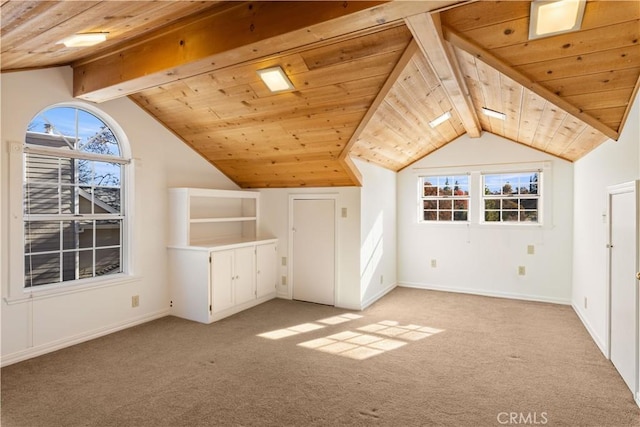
x,y
74,213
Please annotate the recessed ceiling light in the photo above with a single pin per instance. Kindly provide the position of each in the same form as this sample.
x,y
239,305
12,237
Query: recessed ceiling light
x,y
275,79
555,17
494,114
440,119
84,39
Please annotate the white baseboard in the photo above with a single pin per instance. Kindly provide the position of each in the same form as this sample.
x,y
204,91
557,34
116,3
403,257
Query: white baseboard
x,y
39,350
603,348
486,293
366,303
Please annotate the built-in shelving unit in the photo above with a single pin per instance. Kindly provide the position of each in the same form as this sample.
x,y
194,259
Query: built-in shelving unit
x,y
205,218
220,262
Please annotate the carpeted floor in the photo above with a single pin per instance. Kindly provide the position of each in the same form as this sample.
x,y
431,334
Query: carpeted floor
x,y
415,358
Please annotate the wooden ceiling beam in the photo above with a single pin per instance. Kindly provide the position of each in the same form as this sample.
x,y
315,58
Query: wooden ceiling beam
x,y
427,32
241,32
462,42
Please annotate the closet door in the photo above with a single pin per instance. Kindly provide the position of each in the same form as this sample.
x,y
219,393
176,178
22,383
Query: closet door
x,y
623,267
314,250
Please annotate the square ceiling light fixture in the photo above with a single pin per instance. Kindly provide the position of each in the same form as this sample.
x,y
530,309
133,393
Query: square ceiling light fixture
x,y
84,39
440,119
555,17
275,79
495,114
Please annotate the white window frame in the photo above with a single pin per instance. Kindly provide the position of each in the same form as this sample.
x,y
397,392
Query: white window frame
x,y
16,290
539,197
476,207
422,198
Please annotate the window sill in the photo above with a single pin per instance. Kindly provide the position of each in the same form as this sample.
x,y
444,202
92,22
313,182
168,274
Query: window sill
x,y
71,288
511,224
446,223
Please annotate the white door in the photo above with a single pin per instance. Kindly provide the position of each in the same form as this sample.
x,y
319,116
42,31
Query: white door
x,y
624,297
313,272
221,280
266,258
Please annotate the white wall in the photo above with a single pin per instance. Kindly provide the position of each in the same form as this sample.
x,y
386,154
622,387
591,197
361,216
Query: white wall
x,y
613,162
274,209
161,161
378,266
484,259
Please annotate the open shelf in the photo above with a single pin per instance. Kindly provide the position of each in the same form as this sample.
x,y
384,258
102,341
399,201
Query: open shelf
x,y
206,215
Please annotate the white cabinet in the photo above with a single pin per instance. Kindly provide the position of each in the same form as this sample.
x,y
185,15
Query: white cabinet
x,y
208,284
222,272
243,275
219,262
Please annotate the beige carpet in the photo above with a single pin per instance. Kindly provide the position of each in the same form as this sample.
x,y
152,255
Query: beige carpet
x,y
415,358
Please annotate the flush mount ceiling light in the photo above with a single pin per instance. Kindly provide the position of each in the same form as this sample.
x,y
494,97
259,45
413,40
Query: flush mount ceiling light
x,y
84,39
440,119
275,79
555,17
495,114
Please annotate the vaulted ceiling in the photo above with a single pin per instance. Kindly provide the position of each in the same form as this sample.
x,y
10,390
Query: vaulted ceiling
x,y
369,77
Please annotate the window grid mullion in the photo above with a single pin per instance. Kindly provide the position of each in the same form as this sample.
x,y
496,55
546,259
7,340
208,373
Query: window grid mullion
x,y
95,244
61,257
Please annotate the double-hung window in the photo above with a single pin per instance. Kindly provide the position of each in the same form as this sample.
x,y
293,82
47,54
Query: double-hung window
x,y
74,174
445,198
511,197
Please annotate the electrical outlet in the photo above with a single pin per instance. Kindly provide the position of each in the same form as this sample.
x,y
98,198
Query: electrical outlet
x,y
284,281
531,250
344,212
135,301
381,279
284,261
434,263
585,302
521,270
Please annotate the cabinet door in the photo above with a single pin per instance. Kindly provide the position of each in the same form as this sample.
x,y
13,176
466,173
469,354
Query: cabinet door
x,y
245,274
266,261
222,280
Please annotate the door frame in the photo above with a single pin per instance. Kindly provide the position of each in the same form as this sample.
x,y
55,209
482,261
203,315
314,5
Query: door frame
x,y
627,187
290,255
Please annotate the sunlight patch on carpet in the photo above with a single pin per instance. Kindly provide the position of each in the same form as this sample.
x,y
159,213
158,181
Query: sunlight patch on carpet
x,y
308,327
365,342
382,337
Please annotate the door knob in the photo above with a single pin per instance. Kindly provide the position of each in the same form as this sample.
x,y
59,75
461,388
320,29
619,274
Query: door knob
x,y
638,275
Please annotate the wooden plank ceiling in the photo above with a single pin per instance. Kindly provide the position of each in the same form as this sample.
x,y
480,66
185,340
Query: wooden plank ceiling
x,y
261,139
368,77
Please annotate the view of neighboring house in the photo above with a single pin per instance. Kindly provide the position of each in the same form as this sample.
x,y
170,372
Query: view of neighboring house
x,y
63,250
